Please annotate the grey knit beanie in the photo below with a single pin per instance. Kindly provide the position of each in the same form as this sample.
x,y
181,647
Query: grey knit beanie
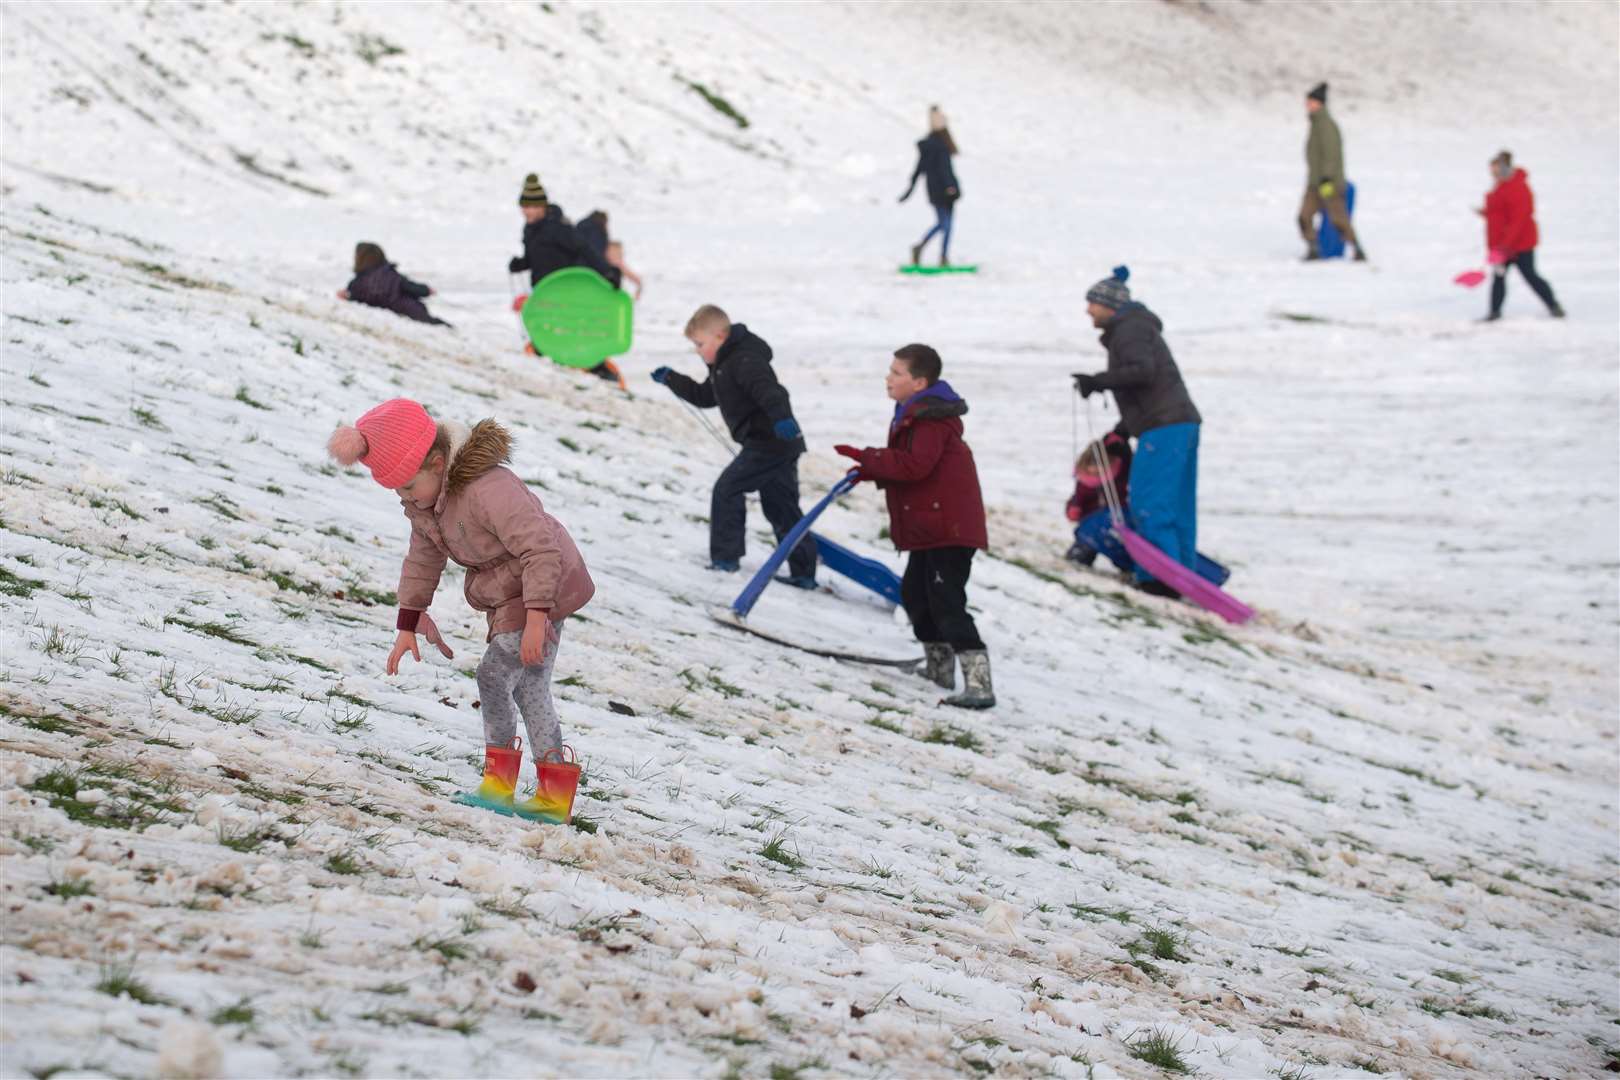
x,y
1111,292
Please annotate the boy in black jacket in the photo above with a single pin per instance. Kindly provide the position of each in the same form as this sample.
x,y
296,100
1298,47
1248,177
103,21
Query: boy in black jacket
x,y
756,409
551,243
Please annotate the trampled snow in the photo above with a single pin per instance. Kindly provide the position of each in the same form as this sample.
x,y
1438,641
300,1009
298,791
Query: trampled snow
x,y
1373,832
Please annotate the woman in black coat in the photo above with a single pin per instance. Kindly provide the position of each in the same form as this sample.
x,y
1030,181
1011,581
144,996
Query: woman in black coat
x,y
934,155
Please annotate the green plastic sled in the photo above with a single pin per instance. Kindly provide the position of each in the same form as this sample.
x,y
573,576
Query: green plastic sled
x,y
971,268
577,319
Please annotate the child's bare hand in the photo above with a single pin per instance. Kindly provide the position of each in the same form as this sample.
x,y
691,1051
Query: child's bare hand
x,y
538,633
343,294
405,643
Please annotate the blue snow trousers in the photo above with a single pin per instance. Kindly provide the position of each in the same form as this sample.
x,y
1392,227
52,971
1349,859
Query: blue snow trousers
x,y
1163,507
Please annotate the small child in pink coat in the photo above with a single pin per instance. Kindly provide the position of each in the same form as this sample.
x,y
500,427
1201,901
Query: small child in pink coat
x,y
523,571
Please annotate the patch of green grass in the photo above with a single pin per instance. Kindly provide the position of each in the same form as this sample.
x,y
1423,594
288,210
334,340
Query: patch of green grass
x,y
1158,1049
794,1072
1090,911
777,852
947,735
372,48
249,400
446,947
883,723
119,980
148,418
221,505
1160,944
20,587
67,890
717,103
341,862
240,1013
211,629
569,443
245,840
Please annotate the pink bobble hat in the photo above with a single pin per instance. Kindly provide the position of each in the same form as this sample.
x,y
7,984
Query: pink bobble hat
x,y
392,440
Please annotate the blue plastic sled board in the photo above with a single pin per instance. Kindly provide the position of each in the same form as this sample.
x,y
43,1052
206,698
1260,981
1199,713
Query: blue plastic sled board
x,y
858,568
762,577
577,319
1328,240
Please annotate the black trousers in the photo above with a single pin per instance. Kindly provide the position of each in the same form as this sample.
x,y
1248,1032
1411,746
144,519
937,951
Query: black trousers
x,y
933,591
776,478
1526,262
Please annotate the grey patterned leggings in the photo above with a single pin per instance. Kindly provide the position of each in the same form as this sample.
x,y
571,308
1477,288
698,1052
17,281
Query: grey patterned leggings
x,y
507,688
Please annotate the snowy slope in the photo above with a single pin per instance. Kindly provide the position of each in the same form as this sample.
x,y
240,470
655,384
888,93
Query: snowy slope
x,y
1373,833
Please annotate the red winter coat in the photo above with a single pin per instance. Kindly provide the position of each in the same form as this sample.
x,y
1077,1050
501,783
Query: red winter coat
x,y
1510,222
928,475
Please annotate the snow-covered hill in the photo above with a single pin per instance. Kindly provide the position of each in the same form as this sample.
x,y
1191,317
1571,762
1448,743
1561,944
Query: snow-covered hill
x,y
1373,833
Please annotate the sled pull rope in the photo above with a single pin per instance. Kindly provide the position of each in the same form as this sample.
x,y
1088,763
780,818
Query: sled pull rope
x,y
708,425
1115,510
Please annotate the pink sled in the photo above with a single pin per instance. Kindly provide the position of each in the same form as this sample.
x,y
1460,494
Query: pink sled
x,y
1205,594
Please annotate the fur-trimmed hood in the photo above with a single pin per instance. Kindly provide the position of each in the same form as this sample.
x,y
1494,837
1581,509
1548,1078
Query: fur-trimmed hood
x,y
474,451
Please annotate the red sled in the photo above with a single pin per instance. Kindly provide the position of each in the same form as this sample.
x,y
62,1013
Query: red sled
x,y
1468,279
1205,594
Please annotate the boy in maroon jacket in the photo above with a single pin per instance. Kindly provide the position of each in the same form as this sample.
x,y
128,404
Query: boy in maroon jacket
x,y
936,513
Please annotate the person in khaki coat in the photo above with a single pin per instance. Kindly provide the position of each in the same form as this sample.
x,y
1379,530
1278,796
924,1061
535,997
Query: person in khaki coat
x,y
523,571
1324,178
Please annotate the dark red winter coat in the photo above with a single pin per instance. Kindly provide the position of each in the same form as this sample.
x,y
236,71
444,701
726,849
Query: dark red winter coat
x,y
928,476
1510,216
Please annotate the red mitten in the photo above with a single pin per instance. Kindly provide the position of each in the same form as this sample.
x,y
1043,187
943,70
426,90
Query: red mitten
x,y
1073,511
428,629
849,451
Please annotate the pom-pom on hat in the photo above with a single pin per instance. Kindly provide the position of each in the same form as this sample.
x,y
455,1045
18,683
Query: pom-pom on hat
x,y
392,440
534,194
1318,93
1111,292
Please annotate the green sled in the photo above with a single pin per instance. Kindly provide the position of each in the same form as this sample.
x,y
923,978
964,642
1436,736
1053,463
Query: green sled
x,y
971,268
577,319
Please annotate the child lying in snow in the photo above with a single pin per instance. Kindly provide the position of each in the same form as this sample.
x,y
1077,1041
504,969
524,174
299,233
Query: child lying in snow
x,y
523,571
378,284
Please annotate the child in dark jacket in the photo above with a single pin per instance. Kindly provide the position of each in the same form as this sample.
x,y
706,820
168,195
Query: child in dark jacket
x,y
1088,506
936,514
378,284
594,231
759,414
550,241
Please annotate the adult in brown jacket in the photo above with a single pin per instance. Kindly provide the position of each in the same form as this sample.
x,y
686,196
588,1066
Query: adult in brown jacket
x,y
1324,178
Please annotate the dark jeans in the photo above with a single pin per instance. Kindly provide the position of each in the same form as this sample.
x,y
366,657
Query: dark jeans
x,y
1526,262
776,478
942,225
933,591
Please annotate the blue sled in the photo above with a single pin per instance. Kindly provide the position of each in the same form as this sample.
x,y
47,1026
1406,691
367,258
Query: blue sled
x,y
762,577
1328,240
858,568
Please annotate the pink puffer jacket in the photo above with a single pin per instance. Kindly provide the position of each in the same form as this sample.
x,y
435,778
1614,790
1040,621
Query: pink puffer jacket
x,y
518,557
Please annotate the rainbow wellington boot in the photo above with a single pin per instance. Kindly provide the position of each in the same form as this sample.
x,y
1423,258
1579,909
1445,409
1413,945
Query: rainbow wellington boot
x,y
553,798
501,765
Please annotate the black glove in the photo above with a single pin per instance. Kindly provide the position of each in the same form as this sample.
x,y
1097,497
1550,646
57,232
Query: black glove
x,y
1123,432
1087,384
515,265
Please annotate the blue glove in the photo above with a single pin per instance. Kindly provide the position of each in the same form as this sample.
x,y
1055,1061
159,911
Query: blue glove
x,y
661,375
787,429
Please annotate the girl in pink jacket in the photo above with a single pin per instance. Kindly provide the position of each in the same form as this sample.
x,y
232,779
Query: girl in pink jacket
x,y
523,571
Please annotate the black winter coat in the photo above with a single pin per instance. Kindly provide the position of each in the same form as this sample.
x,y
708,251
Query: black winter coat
x,y
934,163
593,231
743,383
1142,374
385,287
552,244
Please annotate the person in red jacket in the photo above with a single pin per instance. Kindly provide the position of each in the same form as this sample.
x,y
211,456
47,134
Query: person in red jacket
x,y
1511,235
936,513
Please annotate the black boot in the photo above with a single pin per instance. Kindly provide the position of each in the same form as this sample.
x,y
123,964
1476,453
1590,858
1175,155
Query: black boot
x,y
916,254
939,664
1154,587
1081,554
